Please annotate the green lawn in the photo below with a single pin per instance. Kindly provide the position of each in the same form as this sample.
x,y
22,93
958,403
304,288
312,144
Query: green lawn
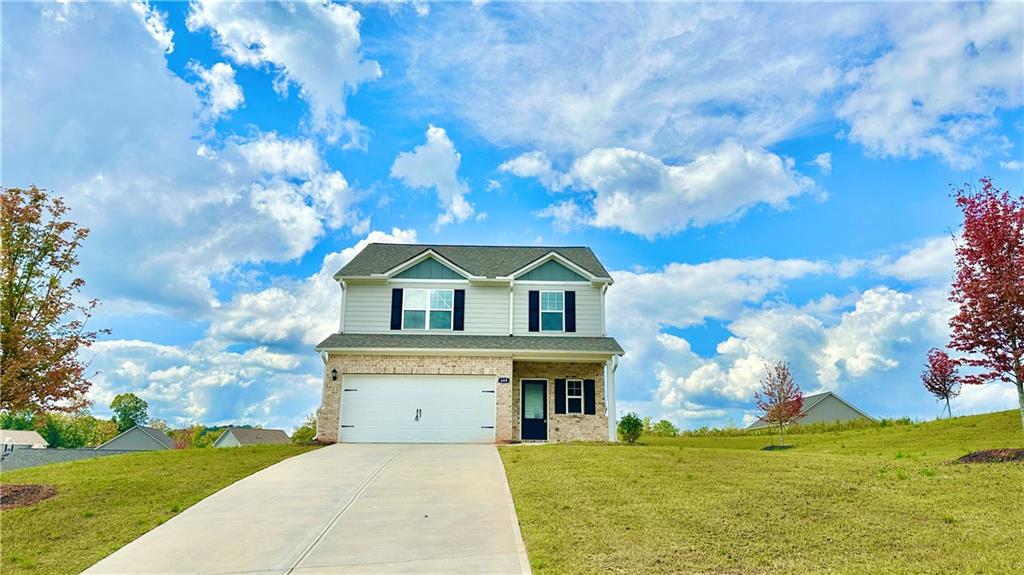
x,y
104,503
864,501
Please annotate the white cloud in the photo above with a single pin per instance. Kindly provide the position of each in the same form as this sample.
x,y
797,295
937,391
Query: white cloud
x,y
217,84
566,215
537,165
435,164
1012,165
272,154
932,261
296,314
155,22
824,162
315,45
197,209
638,193
951,70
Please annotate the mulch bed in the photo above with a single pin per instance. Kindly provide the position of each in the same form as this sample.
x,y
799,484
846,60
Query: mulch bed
x,y
21,495
993,456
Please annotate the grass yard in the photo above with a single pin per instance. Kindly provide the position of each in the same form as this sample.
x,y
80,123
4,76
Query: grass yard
x,y
104,503
863,501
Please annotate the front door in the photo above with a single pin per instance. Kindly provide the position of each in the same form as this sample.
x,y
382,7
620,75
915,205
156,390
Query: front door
x,y
535,409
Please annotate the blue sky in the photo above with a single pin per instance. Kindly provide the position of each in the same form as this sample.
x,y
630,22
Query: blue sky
x,y
764,181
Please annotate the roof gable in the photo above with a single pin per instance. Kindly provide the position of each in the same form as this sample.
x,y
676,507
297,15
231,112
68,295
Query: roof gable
x,y
429,269
155,435
480,261
256,436
551,270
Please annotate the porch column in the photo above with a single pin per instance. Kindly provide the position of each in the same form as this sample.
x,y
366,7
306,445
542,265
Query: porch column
x,y
609,398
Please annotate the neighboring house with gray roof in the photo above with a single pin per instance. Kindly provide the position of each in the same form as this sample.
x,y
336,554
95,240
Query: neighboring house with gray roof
x,y
453,343
240,436
825,407
24,438
139,438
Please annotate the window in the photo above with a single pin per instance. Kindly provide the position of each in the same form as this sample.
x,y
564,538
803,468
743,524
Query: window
x,y
552,311
427,308
574,396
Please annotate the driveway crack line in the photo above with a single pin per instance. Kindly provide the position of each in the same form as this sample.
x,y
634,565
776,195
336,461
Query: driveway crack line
x,y
344,508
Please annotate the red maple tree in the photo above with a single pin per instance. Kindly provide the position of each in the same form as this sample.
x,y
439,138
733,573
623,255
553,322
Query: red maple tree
x,y
941,377
989,286
42,327
779,397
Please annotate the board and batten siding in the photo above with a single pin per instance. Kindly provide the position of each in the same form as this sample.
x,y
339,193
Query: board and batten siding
x,y
588,307
368,307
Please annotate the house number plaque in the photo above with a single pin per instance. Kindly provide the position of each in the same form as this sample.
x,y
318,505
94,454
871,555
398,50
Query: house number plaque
x,y
503,380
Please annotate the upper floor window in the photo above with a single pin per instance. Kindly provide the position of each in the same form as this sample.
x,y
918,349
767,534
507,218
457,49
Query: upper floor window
x,y
427,309
552,311
574,396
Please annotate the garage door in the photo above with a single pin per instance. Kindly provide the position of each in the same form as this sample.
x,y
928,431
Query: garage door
x,y
417,409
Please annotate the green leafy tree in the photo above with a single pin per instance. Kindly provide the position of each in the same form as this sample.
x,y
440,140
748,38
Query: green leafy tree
x,y
664,428
630,427
22,420
129,411
305,433
647,425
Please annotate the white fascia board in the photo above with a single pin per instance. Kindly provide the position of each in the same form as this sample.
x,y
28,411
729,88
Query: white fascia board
x,y
553,355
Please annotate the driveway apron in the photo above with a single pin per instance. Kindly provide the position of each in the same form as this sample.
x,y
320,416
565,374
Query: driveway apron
x,y
346,508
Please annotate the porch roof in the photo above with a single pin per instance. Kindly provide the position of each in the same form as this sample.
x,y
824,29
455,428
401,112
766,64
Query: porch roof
x,y
463,342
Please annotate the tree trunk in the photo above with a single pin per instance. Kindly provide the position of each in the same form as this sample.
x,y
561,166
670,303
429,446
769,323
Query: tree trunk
x,y
949,411
1020,399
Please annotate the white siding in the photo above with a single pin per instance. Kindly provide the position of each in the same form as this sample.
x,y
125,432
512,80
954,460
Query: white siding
x,y
368,307
588,307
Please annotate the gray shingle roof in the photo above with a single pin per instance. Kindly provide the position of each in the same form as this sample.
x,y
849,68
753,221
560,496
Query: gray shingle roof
x,y
159,436
488,261
251,436
471,342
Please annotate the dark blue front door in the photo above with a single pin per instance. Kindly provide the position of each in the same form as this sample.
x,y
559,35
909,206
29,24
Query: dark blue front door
x,y
534,409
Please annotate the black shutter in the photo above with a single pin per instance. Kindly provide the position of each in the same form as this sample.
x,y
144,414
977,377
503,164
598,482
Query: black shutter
x,y
589,403
396,308
570,311
535,311
559,396
459,314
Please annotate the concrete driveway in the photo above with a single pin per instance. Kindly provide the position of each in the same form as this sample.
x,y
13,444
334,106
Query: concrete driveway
x,y
345,509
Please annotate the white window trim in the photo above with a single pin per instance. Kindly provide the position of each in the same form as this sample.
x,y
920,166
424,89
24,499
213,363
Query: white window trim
x,y
427,310
540,306
580,397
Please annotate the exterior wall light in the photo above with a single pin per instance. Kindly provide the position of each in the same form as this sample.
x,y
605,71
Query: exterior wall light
x,y
334,375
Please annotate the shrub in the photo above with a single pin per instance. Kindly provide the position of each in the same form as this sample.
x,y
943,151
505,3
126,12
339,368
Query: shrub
x,y
663,428
305,433
630,427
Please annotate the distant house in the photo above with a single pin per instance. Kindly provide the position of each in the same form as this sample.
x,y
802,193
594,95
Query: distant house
x,y
240,436
23,438
140,438
822,407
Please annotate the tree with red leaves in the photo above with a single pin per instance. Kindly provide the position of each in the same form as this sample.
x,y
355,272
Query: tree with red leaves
x,y
41,325
941,377
989,286
779,398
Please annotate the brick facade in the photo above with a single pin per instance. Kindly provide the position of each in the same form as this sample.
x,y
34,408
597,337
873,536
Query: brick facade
x,y
330,410
564,427
507,397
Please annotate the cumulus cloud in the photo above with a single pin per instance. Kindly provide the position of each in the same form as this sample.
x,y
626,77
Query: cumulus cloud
x,y
930,260
198,209
218,87
1012,165
637,193
435,164
315,45
155,22
824,162
952,68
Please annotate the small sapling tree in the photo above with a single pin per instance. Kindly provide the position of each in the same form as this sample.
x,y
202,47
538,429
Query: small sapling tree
x,y
779,398
941,377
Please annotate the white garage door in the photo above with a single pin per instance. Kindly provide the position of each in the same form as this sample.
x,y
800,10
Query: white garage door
x,y
417,409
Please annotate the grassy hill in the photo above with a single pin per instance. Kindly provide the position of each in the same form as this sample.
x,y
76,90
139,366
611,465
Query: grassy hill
x,y
879,500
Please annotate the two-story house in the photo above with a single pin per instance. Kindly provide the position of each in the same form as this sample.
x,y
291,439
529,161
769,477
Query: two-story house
x,y
446,343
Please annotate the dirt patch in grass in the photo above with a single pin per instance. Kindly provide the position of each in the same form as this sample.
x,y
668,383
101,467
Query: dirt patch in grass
x,y
1004,455
24,495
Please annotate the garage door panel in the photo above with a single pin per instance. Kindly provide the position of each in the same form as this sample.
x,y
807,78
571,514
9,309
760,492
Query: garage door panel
x,y
383,409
